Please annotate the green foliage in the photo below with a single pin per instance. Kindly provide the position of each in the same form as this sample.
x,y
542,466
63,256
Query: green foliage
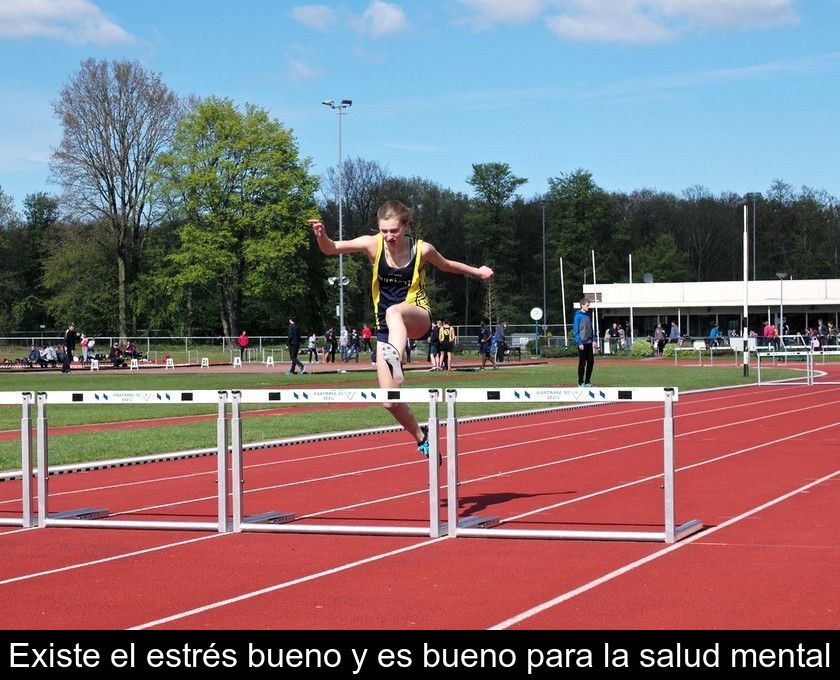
x,y
245,196
641,349
80,278
664,259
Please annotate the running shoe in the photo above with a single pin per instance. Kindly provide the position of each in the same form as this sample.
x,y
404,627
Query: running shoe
x,y
423,447
302,370
391,355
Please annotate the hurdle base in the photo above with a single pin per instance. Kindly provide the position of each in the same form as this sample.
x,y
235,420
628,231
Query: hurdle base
x,y
80,513
690,527
473,521
271,517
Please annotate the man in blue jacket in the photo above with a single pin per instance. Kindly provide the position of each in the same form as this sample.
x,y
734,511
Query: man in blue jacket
x,y
586,343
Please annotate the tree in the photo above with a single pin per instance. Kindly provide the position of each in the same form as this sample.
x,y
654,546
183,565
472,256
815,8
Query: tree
x,y
245,196
7,210
489,232
116,118
584,218
79,277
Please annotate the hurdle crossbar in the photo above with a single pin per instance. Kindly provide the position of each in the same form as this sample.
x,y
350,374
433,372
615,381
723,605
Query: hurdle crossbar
x,y
336,396
667,396
91,518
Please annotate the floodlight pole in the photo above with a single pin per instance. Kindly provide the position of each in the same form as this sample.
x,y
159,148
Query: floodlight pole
x,y
746,321
781,276
545,307
340,112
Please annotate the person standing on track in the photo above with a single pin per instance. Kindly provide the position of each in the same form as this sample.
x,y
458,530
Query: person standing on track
x,y
585,340
294,347
399,295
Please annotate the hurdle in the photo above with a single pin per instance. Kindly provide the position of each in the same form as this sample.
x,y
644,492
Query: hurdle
x,y
803,354
93,517
27,516
591,395
284,521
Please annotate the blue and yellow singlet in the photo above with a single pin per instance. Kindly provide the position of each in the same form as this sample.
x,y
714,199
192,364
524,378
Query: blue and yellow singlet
x,y
393,285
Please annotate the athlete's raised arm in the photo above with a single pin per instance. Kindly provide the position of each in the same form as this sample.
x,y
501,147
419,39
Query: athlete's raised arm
x,y
360,244
434,258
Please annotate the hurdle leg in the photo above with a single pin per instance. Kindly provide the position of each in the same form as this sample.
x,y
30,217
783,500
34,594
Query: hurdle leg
x,y
668,452
26,460
222,462
237,480
434,469
451,463
41,446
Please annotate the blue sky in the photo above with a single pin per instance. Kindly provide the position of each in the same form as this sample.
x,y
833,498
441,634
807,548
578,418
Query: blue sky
x,y
661,94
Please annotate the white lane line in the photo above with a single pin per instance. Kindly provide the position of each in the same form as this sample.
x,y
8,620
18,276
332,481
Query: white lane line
x,y
529,613
285,584
105,560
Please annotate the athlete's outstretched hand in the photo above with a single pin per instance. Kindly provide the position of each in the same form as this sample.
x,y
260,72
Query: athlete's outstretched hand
x,y
485,273
317,228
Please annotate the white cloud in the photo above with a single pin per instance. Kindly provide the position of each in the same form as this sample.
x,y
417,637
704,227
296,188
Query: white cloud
x,y
488,13
383,18
300,72
77,21
315,16
650,21
732,13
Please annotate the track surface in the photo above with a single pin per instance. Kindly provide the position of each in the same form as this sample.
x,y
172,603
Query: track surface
x,y
759,466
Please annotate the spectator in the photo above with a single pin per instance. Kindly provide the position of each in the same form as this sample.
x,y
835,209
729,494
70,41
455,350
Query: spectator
x,y
622,338
312,346
499,341
485,342
131,350
659,339
50,356
70,339
367,334
243,341
115,356
822,333
614,338
447,342
434,345
585,340
294,347
34,357
674,335
355,343
343,343
330,346
83,343
769,335
714,336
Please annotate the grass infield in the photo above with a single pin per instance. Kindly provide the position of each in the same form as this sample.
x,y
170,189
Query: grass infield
x,y
162,437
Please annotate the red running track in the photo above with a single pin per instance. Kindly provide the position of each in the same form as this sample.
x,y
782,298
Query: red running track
x,y
759,466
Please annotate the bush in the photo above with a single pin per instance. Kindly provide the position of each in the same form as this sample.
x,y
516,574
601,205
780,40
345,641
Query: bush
x,y
641,349
551,351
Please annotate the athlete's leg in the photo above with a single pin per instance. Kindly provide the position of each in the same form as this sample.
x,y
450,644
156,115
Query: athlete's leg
x,y
403,321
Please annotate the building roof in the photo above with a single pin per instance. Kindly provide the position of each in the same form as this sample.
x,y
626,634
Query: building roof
x,y
716,296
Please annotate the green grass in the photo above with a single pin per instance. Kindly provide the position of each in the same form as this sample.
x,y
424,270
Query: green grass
x,y
108,443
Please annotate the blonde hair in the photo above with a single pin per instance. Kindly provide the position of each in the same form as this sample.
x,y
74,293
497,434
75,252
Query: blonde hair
x,y
396,209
